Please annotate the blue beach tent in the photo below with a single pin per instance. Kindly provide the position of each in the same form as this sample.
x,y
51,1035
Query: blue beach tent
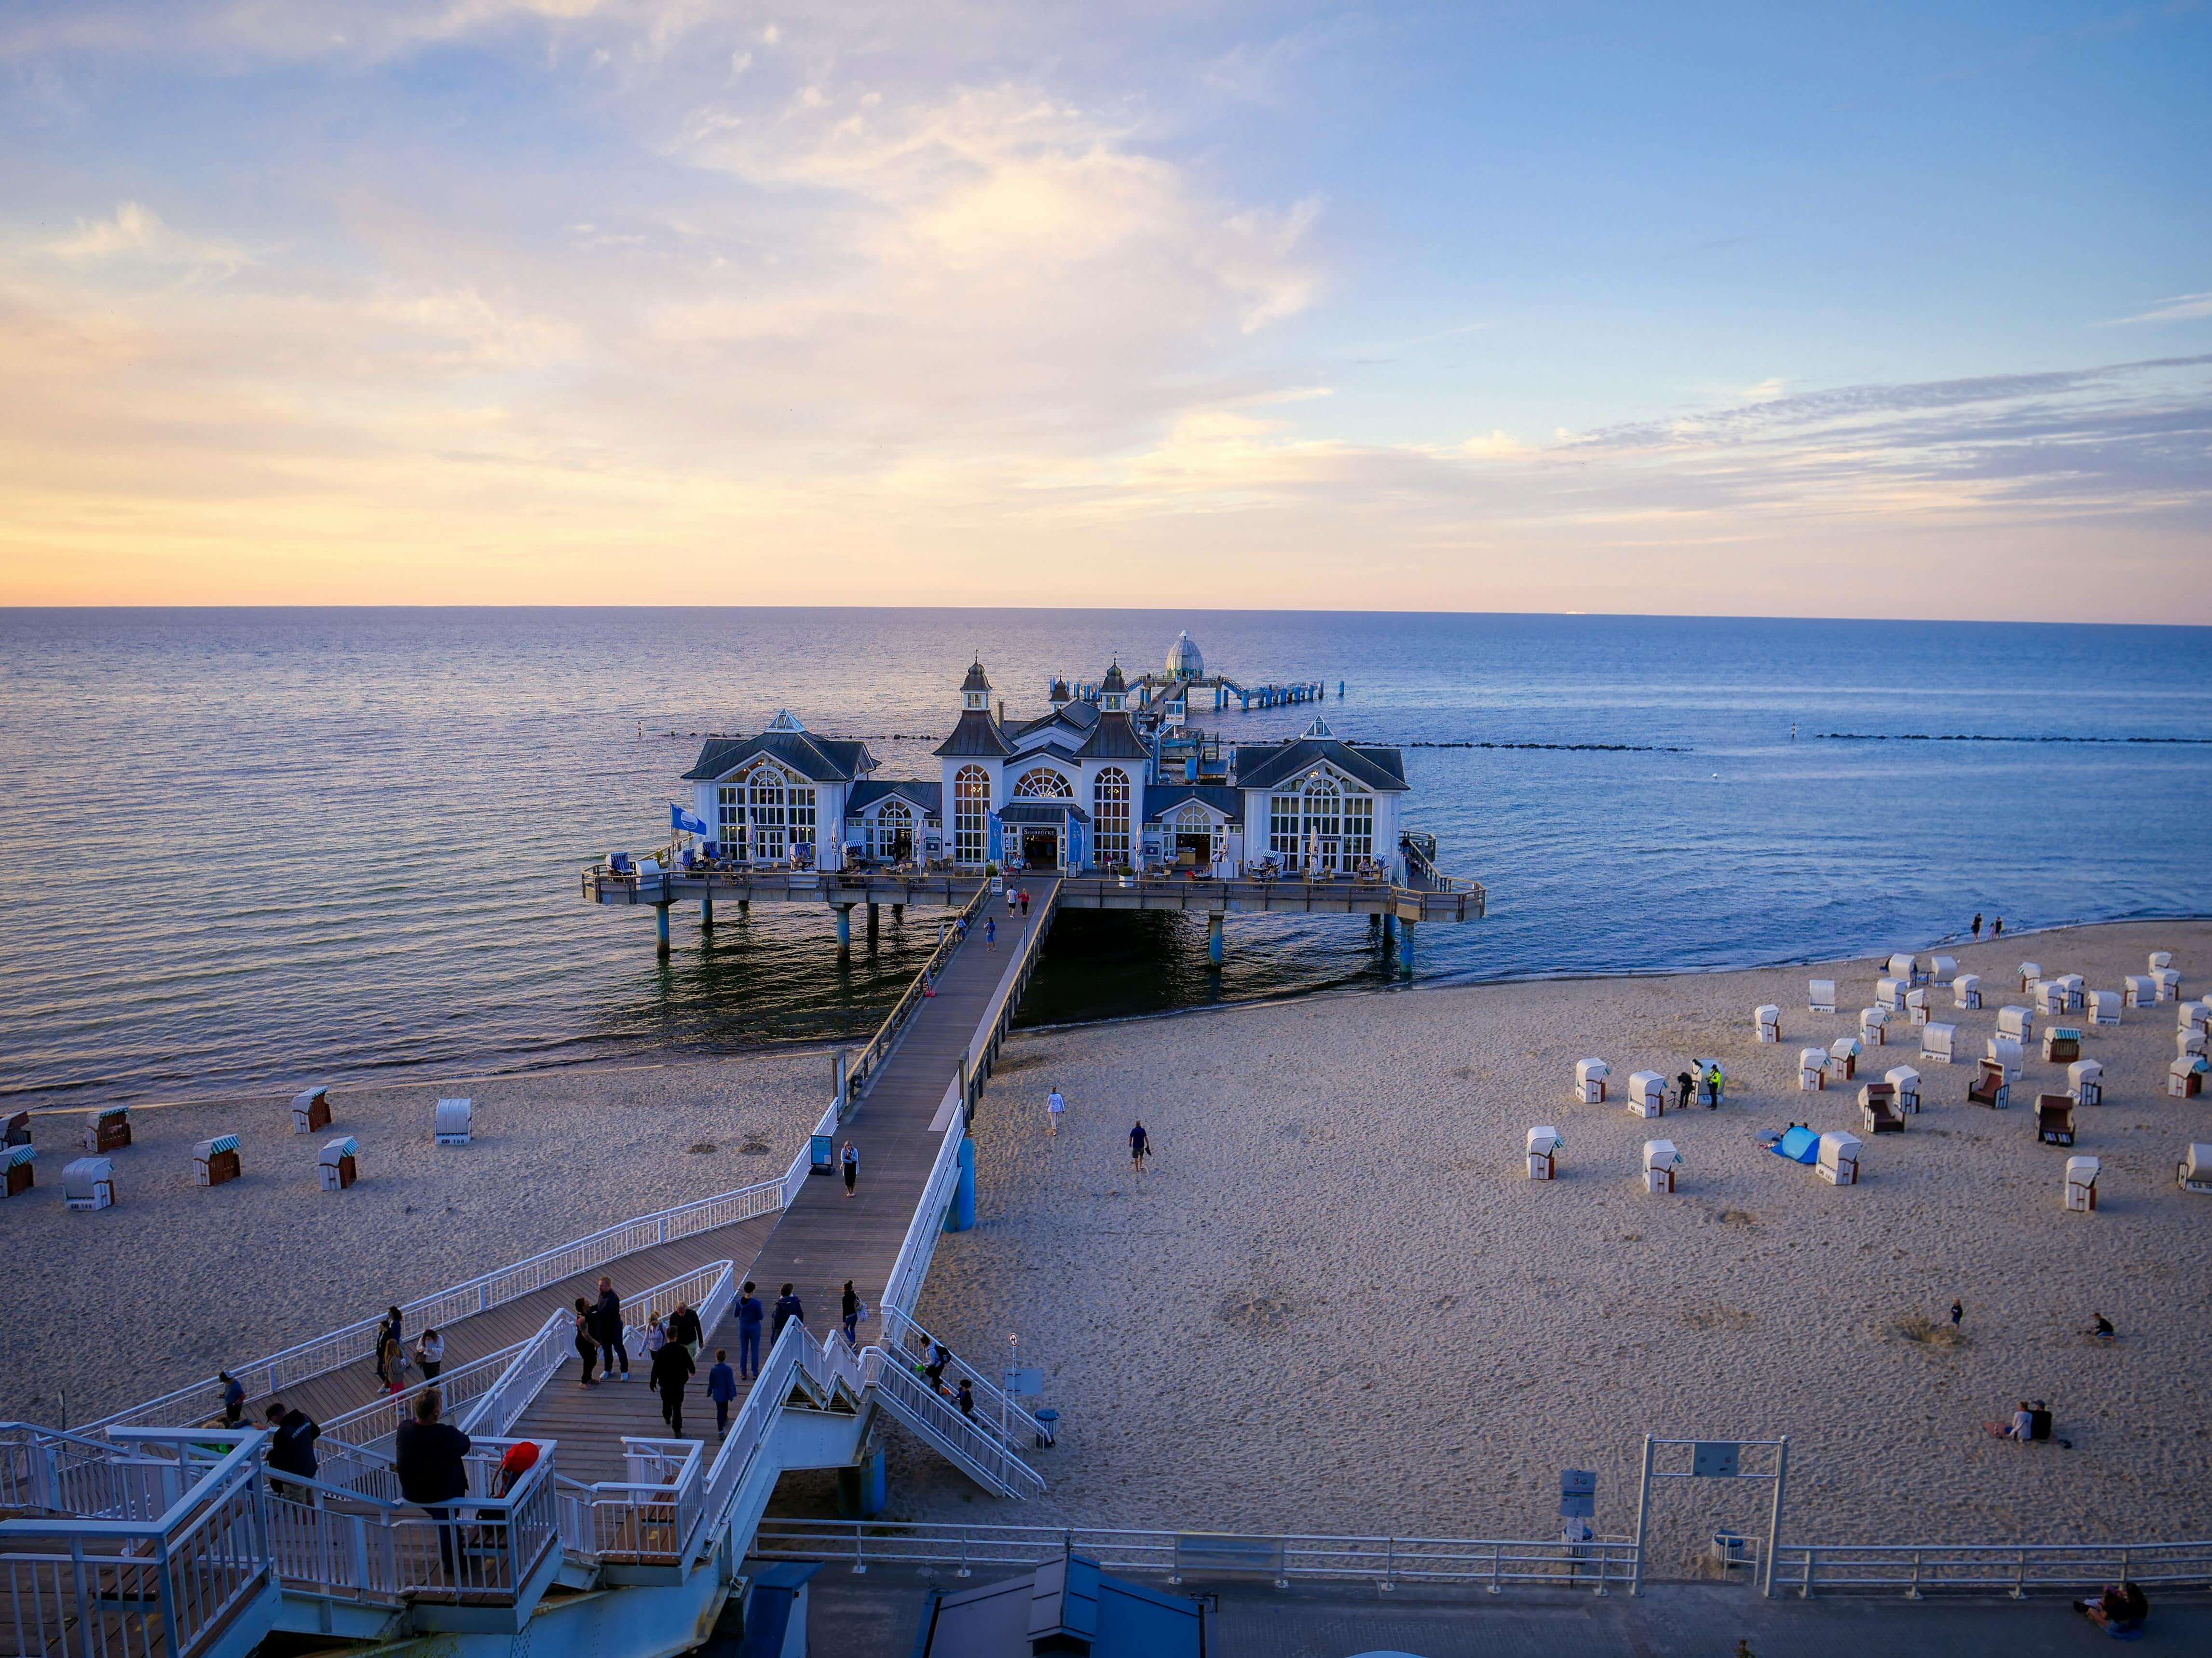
x,y
1799,1145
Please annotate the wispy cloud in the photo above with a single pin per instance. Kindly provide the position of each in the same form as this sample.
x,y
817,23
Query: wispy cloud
x,y
2182,307
135,232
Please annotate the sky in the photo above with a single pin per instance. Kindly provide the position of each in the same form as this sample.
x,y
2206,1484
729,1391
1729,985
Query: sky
x,y
1792,310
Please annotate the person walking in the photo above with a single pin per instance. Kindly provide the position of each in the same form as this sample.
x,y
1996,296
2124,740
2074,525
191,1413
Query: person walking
x,y
233,1399
1012,899
1140,1146
387,1331
656,1337
786,1308
721,1387
1025,903
671,1372
850,1158
1055,1108
292,1436
990,932
1958,1312
1978,924
851,1311
1714,1083
684,1327
430,1354
395,1365
429,1457
749,1318
1996,929
587,1344
1682,1086
607,1326
940,1357
967,1400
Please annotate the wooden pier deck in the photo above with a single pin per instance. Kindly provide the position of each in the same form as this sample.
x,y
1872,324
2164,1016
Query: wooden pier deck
x,y
824,1237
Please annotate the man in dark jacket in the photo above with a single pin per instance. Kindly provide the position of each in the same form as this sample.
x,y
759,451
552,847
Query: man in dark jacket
x,y
786,1308
233,1399
427,1455
749,1332
607,1324
672,1373
292,1436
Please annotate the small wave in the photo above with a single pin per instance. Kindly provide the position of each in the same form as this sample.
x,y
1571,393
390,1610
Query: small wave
x,y
1968,736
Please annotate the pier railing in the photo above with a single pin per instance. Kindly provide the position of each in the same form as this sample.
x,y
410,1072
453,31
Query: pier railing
x,y
1489,1562
862,1068
2018,1569
202,1401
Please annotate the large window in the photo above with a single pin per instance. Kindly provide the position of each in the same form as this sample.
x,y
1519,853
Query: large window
x,y
971,815
1321,823
1044,784
894,831
763,814
1110,809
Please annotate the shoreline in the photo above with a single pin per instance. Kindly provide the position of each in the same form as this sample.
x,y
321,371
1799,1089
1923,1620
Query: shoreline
x,y
407,1076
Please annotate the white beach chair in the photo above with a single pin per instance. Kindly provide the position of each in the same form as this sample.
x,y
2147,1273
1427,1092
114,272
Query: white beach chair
x,y
2140,989
2161,959
1820,995
1544,1146
2008,1053
1840,1159
216,1161
1767,1020
1942,969
2081,1184
451,1126
1589,1081
1647,1095
1873,1021
2194,1174
1661,1160
2029,973
311,1108
1939,1043
1966,991
2184,1078
90,1183
2169,985
337,1165
2188,1039
2050,996
1906,1081
2085,1082
1907,968
1844,1057
1916,1005
1812,1069
2017,1022
2077,991
1890,993
2198,1014
2105,1006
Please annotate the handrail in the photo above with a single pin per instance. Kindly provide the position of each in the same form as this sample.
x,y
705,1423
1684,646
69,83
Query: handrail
x,y
339,1347
966,1441
2017,1569
902,1287
861,1068
902,1329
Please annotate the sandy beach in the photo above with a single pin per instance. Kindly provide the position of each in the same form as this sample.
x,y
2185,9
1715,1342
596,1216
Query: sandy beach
x,y
177,1279
1335,1304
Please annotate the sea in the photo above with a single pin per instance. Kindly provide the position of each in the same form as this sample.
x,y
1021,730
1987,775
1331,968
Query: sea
x,y
241,849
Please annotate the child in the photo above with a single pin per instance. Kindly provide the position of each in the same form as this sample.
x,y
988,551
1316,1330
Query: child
x,y
721,1387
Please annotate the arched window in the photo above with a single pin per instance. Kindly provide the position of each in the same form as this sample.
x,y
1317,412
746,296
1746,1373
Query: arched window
x,y
1110,812
763,813
971,815
1044,784
894,831
1321,824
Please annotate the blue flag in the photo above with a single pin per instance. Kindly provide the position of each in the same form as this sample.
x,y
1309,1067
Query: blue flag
x,y
680,819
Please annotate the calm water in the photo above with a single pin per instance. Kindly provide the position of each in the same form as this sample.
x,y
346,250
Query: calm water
x,y
244,847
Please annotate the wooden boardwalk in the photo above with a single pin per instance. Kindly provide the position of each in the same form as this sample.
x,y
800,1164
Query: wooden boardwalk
x,y
824,1237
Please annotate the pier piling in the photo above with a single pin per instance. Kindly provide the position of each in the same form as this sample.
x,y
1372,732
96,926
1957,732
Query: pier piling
x,y
1405,947
844,930
1216,940
707,913
875,918
660,915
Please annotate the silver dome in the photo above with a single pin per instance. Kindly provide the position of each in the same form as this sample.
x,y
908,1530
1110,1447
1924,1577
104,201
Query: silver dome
x,y
1184,661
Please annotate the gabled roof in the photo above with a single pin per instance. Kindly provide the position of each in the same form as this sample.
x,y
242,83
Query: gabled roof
x,y
817,759
977,733
1160,800
1059,748
1114,739
1269,765
1067,1605
927,798
1079,717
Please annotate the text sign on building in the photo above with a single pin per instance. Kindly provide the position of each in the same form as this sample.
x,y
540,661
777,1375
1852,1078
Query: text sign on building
x,y
1714,1459
1577,1494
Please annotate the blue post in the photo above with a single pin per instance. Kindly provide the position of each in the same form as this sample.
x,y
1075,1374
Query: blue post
x,y
660,915
961,1216
1405,947
707,914
1217,941
844,929
861,1490
1390,934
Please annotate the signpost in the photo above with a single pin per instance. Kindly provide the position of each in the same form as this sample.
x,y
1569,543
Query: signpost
x,y
1712,1459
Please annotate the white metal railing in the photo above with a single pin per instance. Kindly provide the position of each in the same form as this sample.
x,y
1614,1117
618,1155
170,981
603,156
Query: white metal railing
x,y
906,1340
902,1287
1913,1569
43,1469
1492,1562
203,1400
133,1588
462,1387
971,1443
530,1366
862,1066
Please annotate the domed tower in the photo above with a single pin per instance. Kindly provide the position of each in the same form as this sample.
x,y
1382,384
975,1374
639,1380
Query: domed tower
x,y
1114,692
976,689
1184,661
1058,696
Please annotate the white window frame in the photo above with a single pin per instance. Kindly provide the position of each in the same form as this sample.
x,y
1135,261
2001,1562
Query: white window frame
x,y
1110,798
971,815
